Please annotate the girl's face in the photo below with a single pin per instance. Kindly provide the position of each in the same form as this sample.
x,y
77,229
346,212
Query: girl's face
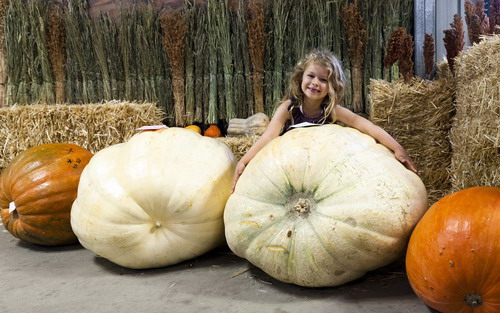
x,y
315,83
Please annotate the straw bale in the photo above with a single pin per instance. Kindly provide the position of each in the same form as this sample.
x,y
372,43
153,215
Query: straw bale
x,y
475,132
239,145
443,69
418,115
92,126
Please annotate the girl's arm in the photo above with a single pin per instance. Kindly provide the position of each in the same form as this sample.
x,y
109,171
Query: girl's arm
x,y
363,125
272,131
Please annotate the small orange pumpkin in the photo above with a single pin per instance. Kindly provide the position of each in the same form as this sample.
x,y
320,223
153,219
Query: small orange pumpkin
x,y
195,128
452,257
37,190
213,131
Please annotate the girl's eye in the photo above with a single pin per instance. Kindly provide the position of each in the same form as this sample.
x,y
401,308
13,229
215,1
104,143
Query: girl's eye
x,y
323,80
310,76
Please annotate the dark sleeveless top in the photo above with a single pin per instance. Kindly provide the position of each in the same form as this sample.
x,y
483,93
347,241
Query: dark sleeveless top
x,y
297,117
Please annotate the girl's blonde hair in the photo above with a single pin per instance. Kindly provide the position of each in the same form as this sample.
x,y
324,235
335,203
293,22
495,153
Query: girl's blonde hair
x,y
336,80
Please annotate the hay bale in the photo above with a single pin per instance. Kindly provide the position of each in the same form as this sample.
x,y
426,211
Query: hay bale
x,y
92,126
443,69
418,116
475,131
239,145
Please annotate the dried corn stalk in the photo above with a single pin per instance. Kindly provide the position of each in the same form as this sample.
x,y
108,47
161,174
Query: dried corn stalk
x,y
15,55
301,22
101,40
174,33
247,65
281,10
472,20
400,49
80,51
458,25
394,47
357,39
39,14
454,41
212,112
114,56
223,35
200,44
494,16
242,85
323,12
477,21
190,60
4,5
405,62
150,60
127,19
3,70
429,54
484,21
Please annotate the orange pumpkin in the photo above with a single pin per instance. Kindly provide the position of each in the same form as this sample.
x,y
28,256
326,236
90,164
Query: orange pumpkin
x,y
453,254
37,190
212,131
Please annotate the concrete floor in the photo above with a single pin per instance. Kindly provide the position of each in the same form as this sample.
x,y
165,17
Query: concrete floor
x,y
72,279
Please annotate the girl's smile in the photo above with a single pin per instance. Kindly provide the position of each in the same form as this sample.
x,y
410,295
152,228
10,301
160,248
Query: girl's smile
x,y
315,83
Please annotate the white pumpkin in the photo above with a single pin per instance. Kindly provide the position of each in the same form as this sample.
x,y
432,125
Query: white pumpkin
x,y
155,200
321,206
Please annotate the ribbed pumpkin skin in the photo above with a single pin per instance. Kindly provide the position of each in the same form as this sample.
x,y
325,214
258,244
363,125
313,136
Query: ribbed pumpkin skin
x,y
363,204
454,252
42,182
154,200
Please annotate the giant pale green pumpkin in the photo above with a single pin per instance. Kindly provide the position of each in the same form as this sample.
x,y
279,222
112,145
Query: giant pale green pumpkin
x,y
154,200
321,206
37,190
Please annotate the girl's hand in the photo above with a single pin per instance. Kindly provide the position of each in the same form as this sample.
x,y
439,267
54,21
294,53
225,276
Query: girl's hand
x,y
240,167
404,158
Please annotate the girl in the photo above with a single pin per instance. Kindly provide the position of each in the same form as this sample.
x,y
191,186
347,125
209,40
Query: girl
x,y
316,89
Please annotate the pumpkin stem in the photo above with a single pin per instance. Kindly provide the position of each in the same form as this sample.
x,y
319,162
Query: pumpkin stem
x,y
473,300
12,210
302,206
